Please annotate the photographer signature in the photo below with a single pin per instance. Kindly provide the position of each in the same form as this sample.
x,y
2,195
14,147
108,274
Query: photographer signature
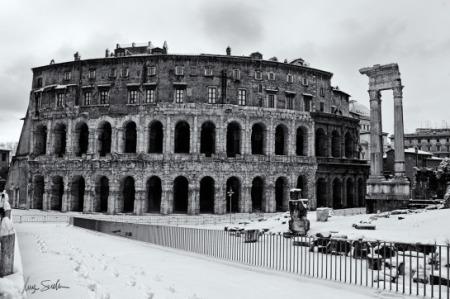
x,y
43,286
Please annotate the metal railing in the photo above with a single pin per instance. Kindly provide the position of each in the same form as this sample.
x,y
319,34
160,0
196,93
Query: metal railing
x,y
413,269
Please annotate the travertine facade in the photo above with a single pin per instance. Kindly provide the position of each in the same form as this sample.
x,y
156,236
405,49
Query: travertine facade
x,y
145,131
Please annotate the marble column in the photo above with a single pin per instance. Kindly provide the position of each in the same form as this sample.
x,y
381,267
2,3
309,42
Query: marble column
x,y
399,166
376,134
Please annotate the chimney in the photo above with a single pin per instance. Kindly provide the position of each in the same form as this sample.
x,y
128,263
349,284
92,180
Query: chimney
x,y
76,56
107,53
133,44
228,51
52,61
117,46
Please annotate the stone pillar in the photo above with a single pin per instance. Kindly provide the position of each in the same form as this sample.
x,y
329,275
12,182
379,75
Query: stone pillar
x,y
140,146
399,165
92,146
166,199
195,137
270,139
47,196
193,200
49,145
70,139
168,137
246,200
221,137
376,135
67,196
89,200
139,202
270,198
113,199
146,144
120,140
220,200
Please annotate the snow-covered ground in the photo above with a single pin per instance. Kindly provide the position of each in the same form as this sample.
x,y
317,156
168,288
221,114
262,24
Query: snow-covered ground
x,y
94,265
423,226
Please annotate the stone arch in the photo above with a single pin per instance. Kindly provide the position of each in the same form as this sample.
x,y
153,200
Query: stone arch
x,y
302,183
40,140
258,194
361,193
281,194
101,194
57,193
127,194
321,143
335,144
104,138
207,194
38,192
155,137
208,138
349,145
233,184
281,140
77,191
154,192
59,139
321,192
182,137
258,139
81,139
233,139
301,141
350,191
180,194
337,193
130,137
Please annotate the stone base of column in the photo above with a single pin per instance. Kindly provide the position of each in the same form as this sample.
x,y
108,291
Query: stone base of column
x,y
387,195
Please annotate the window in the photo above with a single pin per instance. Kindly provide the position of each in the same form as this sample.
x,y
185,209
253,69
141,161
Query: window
x,y
104,97
260,102
290,78
132,96
151,71
208,71
212,95
236,74
179,70
258,75
3,157
260,88
91,74
112,73
271,76
67,76
307,103
179,95
39,82
289,102
149,96
242,97
305,81
322,106
271,101
125,72
87,98
322,92
60,100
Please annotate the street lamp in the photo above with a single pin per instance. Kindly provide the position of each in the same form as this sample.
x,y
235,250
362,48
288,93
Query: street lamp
x,y
230,194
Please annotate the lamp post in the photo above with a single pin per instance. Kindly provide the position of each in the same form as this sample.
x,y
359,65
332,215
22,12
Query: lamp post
x,y
230,194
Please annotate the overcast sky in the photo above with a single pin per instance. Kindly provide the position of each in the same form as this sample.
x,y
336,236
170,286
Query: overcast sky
x,y
337,36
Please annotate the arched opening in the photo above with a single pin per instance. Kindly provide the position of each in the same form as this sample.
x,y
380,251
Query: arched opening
x,y
156,137
321,192
337,194
281,194
128,194
301,144
257,194
104,139
130,137
258,139
38,192
82,139
101,194
77,190
233,139
361,193
180,195
321,143
335,144
349,146
208,139
207,191
350,188
182,138
40,140
59,144
154,191
233,194
57,193
302,183
281,140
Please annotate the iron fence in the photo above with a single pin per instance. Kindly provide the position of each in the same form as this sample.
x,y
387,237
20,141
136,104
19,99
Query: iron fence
x,y
413,269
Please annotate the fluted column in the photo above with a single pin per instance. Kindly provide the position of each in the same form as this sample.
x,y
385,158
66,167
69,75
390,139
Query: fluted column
x,y
399,166
376,134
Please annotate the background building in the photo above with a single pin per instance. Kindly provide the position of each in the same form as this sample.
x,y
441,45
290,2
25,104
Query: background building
x,y
4,167
436,141
141,130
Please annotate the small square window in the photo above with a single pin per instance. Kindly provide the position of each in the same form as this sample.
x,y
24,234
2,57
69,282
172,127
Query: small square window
x,y
271,76
242,97
290,102
67,76
132,96
271,101
212,95
149,96
60,100
151,71
305,81
125,72
290,78
236,74
179,95
87,98
322,106
104,97
322,92
91,74
258,75
307,103
208,71
179,70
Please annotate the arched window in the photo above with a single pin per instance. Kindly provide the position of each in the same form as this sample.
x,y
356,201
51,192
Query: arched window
x,y
82,139
281,140
77,190
301,144
335,144
281,194
180,195
38,192
40,140
321,143
128,193
156,137
337,194
257,194
349,146
321,192
207,195
233,194
233,139
182,138
208,139
258,139
130,137
101,194
59,144
350,189
302,184
57,192
154,191
104,139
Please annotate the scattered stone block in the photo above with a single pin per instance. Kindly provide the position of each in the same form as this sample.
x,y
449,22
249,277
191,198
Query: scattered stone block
x,y
322,214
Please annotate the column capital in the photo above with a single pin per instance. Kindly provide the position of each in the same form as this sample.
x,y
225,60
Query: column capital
x,y
398,91
374,94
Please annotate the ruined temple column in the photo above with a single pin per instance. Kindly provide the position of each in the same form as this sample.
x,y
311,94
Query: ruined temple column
x,y
399,166
376,134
